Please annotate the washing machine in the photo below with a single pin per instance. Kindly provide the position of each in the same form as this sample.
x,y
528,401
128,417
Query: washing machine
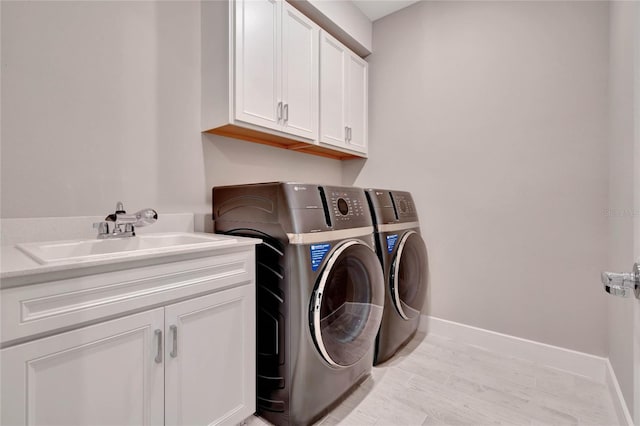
x,y
320,292
403,256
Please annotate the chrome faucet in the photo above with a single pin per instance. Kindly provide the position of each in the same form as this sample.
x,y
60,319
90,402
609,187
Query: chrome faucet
x,y
124,224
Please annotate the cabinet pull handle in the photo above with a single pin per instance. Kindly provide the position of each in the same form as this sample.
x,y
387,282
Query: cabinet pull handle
x,y
279,111
174,350
158,358
286,112
346,133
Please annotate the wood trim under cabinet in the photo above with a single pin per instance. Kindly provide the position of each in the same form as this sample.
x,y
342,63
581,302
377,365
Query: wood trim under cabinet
x,y
237,132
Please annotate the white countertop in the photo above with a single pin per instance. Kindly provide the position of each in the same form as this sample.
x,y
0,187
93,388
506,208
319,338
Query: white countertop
x,y
15,264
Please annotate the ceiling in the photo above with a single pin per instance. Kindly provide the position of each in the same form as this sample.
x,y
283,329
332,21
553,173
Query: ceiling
x,y
376,9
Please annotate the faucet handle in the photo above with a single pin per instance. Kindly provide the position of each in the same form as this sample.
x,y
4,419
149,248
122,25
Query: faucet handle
x,y
114,216
102,227
146,217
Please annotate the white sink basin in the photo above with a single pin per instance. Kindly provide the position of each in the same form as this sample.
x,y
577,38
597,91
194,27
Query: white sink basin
x,y
87,250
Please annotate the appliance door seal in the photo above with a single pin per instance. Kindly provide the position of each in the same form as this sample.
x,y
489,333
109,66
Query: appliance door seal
x,y
347,303
408,277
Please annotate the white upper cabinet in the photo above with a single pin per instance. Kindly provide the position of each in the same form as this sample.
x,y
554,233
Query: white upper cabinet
x,y
343,96
333,91
276,67
357,111
300,59
270,75
258,82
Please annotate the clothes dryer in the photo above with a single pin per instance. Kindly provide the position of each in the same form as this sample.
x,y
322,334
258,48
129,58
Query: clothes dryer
x,y
403,256
320,292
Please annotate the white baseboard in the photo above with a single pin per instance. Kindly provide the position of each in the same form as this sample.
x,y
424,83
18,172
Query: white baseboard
x,y
594,367
624,416
591,366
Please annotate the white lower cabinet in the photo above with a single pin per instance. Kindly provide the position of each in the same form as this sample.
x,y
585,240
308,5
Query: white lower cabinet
x,y
188,363
210,358
104,374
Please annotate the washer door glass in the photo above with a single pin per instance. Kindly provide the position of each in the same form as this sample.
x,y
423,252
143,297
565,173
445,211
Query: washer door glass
x,y
347,304
408,278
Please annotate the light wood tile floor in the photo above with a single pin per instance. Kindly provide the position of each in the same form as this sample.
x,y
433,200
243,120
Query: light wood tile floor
x,y
438,381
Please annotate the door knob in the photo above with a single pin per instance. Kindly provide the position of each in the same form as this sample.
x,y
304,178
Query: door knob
x,y
622,284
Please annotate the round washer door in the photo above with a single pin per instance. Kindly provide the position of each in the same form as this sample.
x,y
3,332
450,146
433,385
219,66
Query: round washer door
x,y
347,304
408,277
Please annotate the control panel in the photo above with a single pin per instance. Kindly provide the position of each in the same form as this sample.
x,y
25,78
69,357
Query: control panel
x,y
404,205
290,207
381,206
345,206
389,207
315,208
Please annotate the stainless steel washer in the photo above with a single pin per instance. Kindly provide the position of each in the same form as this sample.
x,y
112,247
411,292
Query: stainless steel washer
x,y
403,256
320,291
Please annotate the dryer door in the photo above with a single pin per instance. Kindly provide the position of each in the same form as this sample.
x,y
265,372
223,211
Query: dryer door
x,y
408,277
347,304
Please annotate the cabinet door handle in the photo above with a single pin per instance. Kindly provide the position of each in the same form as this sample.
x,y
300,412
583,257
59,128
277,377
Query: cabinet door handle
x,y
174,349
279,111
286,112
346,133
158,358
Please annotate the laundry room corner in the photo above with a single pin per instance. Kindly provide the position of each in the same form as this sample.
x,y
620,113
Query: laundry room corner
x,y
505,164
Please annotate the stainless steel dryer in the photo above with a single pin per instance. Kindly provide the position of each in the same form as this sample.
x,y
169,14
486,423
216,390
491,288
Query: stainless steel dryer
x,y
403,256
320,292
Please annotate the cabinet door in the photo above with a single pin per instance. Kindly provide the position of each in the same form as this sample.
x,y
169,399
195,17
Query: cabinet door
x,y
105,374
210,358
300,43
357,72
258,62
333,56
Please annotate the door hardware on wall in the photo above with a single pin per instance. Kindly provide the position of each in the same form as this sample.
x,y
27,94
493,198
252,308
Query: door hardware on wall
x,y
622,284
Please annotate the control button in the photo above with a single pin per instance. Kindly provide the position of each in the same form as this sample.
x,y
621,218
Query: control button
x,y
343,207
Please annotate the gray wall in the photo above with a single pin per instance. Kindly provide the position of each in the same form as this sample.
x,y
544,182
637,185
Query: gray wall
x,y
494,114
495,121
101,102
621,163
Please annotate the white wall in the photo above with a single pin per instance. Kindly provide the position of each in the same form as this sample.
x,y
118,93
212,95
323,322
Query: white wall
x,y
343,19
621,192
635,406
101,102
494,115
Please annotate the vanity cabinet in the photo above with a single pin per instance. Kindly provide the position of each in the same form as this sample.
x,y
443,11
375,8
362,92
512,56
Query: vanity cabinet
x,y
343,96
181,350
